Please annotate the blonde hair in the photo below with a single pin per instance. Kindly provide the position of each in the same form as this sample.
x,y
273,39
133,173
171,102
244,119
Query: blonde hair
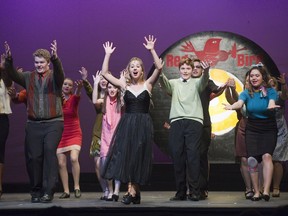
x,y
142,78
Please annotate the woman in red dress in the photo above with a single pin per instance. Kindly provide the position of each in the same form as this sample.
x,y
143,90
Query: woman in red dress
x,y
71,141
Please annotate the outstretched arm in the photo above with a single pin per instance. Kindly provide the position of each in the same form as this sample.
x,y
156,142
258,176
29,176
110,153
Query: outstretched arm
x,y
13,74
96,79
87,86
230,92
58,71
109,49
7,81
150,45
234,106
79,85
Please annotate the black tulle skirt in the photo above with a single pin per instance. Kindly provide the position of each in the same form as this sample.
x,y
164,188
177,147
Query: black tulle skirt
x,y
129,157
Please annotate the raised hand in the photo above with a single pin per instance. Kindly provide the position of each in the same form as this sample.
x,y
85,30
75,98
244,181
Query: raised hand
x,y
231,82
7,50
84,73
108,47
54,49
97,77
281,79
205,65
150,42
79,84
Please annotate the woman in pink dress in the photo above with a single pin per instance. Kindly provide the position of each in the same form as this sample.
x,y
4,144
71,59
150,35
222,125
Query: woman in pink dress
x,y
71,141
112,111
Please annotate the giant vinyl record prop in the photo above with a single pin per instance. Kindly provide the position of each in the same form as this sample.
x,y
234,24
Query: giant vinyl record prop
x,y
231,55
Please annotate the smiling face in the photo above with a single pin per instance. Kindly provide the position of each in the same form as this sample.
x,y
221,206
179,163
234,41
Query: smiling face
x,y
185,71
255,78
67,86
197,71
112,91
41,64
103,83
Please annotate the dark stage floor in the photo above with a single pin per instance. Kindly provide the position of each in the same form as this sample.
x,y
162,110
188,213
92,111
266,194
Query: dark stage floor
x,y
153,203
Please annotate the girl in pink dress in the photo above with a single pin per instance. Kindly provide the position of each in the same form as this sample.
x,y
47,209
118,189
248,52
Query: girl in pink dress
x,y
71,140
112,111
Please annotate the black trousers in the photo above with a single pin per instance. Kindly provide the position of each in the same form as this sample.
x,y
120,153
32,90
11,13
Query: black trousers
x,y
204,166
4,131
184,144
41,143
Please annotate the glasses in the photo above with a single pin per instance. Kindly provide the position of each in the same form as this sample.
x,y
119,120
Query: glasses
x,y
260,64
197,66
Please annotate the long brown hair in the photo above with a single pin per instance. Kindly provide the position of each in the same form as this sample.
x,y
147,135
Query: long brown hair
x,y
119,104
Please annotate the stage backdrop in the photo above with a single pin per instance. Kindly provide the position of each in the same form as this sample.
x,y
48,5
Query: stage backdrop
x,y
231,56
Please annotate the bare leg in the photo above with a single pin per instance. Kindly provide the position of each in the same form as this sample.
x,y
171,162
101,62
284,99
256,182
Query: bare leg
x,y
255,183
74,156
253,170
246,177
117,187
97,171
267,172
261,180
62,161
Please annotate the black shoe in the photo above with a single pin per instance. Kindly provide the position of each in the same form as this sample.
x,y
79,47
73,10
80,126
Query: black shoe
x,y
178,198
109,198
46,198
256,198
266,197
115,197
193,197
35,199
64,196
249,194
202,196
77,193
128,199
103,197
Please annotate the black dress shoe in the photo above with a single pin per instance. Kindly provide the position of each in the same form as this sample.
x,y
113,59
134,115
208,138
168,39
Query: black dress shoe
x,y
256,198
35,199
109,198
266,197
193,197
46,198
115,197
103,197
77,193
178,198
64,196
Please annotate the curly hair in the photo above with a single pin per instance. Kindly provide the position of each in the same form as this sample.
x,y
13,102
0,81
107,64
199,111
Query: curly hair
x,y
265,76
42,53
